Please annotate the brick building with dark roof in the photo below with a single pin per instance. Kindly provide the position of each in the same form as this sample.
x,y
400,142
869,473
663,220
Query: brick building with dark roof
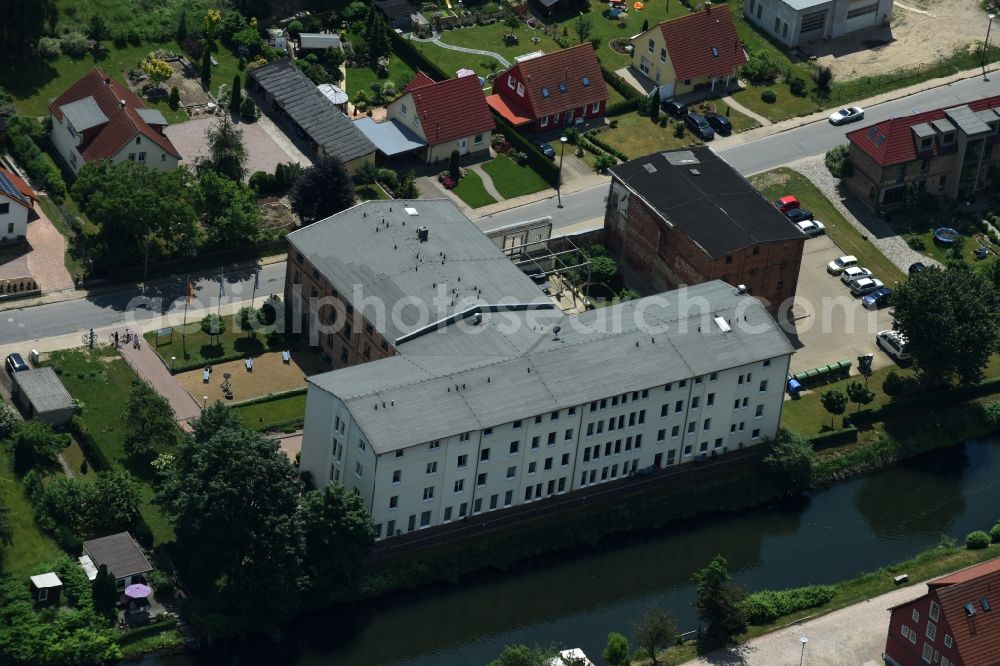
x,y
687,217
957,623
700,50
948,152
552,90
97,118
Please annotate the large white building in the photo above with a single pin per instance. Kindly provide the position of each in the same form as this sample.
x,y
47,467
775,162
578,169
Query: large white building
x,y
798,22
493,406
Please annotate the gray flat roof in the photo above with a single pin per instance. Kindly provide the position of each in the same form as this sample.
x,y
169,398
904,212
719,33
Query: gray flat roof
x,y
626,347
923,130
312,111
371,252
390,137
942,125
967,119
319,40
84,114
988,115
120,553
799,5
152,116
44,390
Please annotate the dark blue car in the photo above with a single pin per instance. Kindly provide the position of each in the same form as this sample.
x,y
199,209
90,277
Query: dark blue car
x,y
877,299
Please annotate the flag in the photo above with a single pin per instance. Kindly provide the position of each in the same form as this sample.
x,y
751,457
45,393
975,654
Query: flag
x,y
190,291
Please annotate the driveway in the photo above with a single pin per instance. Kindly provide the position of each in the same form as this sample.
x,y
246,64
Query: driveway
x,y
828,323
263,152
40,258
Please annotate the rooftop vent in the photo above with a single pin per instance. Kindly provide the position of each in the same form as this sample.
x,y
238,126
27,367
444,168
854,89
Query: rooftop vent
x,y
722,324
122,103
695,172
422,234
741,289
409,211
107,82
648,166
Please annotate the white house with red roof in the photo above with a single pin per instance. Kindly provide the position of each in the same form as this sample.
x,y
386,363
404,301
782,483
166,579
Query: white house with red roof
x,y
443,115
17,206
551,90
697,51
97,118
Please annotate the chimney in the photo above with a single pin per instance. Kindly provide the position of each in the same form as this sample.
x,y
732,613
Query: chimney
x,y
107,82
422,234
708,7
122,103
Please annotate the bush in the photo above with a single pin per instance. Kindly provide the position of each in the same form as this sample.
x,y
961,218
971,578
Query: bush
x,y
74,44
388,178
248,110
768,96
608,148
175,98
798,87
520,158
571,134
991,414
895,385
161,582
916,242
49,48
768,605
977,540
622,86
679,129
604,162
995,533
838,162
823,79
759,67
8,419
623,107
88,445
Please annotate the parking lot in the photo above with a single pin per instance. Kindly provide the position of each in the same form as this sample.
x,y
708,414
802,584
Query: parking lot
x,y
829,324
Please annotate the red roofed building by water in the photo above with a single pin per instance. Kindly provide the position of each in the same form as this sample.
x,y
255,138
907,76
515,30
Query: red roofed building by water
x,y
957,623
98,118
700,50
948,152
552,90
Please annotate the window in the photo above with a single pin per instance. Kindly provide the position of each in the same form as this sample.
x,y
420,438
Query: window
x,y
767,363
359,470
664,410
661,434
545,91
755,434
394,502
760,8
663,55
759,412
763,386
508,498
678,407
904,631
568,434
710,400
928,651
402,109
131,157
397,476
361,444
481,479
586,454
548,463
565,459
784,33
425,519
554,416
861,11
428,493
562,86
493,502
513,447
935,611
756,251
718,442
532,466
814,21
432,467
675,432
459,486
447,515
695,401
777,23
595,107
487,432
586,81
534,442
520,89
517,424
511,472
552,438
511,82
138,140
478,139
4,210
142,157
931,632
691,426
435,444
390,528
707,425
463,461
590,429
947,640
650,46
463,509
484,455
399,454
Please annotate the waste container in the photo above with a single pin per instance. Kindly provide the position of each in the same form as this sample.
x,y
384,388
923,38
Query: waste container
x,y
794,388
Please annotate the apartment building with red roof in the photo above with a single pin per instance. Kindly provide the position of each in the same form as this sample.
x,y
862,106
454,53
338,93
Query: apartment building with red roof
x,y
957,623
98,118
445,116
544,92
700,50
948,152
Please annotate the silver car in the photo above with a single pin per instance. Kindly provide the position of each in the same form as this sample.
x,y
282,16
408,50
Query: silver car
x,y
854,273
865,286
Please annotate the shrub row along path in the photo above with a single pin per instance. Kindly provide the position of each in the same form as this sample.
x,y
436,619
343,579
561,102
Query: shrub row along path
x,y
436,39
853,636
147,364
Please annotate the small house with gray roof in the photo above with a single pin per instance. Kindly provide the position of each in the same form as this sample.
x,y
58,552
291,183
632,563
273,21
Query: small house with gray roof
x,y
120,554
41,395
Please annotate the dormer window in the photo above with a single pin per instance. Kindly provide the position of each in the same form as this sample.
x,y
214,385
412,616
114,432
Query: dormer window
x,y
994,127
948,139
545,91
926,144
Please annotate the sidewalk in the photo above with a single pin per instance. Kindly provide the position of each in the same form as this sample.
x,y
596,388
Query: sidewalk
x,y
147,364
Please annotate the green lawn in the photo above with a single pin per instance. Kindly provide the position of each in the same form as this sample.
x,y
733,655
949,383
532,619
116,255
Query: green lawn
x,y
512,180
273,413
470,190
150,638
74,457
913,225
362,78
371,191
785,106
491,38
101,380
452,61
30,546
637,135
782,181
197,348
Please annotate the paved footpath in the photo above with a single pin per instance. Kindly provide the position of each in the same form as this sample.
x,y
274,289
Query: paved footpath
x,y
147,364
852,636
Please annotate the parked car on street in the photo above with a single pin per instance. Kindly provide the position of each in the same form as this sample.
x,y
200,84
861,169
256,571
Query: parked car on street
x,y
546,149
811,227
674,108
719,123
846,115
837,266
893,343
699,126
799,214
15,364
877,299
853,273
865,286
786,203
917,267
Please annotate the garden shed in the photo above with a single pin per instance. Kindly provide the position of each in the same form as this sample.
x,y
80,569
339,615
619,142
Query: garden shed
x,y
42,396
46,589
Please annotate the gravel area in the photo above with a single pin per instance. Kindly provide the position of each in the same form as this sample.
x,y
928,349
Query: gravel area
x,y
881,234
263,153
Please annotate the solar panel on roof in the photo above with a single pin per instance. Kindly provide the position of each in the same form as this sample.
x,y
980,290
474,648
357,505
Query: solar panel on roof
x,y
880,140
872,132
7,188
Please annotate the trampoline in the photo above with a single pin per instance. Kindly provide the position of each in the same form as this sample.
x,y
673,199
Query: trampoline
x,y
945,236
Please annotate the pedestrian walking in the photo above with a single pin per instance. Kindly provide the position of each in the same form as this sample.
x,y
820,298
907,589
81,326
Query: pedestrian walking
x,y
116,338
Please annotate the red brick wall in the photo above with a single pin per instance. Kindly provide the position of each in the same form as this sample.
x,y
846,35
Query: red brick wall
x,y
906,653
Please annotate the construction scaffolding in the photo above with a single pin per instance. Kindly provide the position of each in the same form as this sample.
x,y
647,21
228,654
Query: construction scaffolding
x,y
557,265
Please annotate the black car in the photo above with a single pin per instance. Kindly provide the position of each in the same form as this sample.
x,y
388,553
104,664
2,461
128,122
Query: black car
x,y
15,364
674,108
719,123
917,267
799,215
546,149
699,126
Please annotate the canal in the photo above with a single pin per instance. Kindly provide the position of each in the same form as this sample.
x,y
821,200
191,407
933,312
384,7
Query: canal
x,y
855,526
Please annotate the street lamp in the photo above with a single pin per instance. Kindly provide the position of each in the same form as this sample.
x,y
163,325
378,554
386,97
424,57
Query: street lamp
x,y
802,656
986,44
562,150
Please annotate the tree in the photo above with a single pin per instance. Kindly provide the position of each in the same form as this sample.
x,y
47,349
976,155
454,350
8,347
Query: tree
x,y
105,592
603,269
789,461
6,529
453,169
334,521
157,69
835,402
149,420
583,26
512,22
175,98
322,190
823,79
231,216
34,443
654,107
236,96
249,319
616,652
378,37
719,602
22,27
226,153
206,68
408,186
211,22
522,655
182,29
213,325
645,27
8,420
950,319
859,393
116,500
655,630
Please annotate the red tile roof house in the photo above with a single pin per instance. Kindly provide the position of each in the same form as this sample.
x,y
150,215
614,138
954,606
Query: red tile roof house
x,y
957,623
552,90
697,51
948,152
97,118
17,207
446,115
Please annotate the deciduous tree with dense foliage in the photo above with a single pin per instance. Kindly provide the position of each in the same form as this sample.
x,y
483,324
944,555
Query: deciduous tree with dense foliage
x,y
616,651
719,602
859,393
522,655
157,69
835,402
334,521
34,443
22,26
213,325
789,461
231,216
655,630
226,153
322,190
149,420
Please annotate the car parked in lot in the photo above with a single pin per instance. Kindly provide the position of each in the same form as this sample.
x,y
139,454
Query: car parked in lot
x,y
811,227
799,214
786,203
699,126
917,267
853,273
877,299
546,149
15,363
846,115
893,343
719,123
837,266
674,108
865,286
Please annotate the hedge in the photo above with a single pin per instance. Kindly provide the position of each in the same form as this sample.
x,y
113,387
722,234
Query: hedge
x,y
415,59
768,605
621,108
608,148
271,397
928,401
621,85
545,167
186,367
88,445
825,440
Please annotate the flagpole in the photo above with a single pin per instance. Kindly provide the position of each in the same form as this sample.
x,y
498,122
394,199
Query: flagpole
x,y
256,279
218,310
187,301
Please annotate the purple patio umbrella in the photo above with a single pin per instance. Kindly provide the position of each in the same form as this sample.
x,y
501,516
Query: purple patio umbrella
x,y
138,591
